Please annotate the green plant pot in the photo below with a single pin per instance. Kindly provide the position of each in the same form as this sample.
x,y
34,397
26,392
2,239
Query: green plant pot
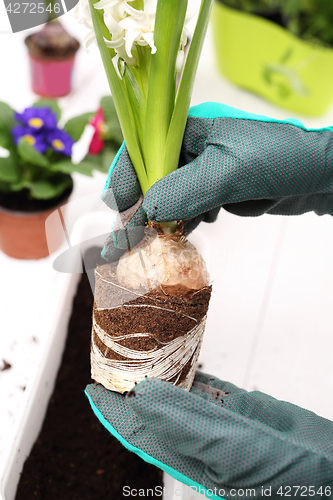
x,y
267,59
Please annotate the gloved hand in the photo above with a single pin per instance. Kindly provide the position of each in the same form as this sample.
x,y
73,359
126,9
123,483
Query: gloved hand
x,y
122,193
223,438
249,164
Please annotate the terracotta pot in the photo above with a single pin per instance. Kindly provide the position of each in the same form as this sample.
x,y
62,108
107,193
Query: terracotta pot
x,y
31,235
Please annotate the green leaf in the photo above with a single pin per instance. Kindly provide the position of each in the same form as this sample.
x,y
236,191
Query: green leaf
x,y
121,101
6,139
113,129
67,167
137,100
138,4
51,188
4,187
109,109
93,160
49,103
113,133
144,55
43,189
183,98
6,116
29,154
9,170
75,126
169,21
84,169
18,186
107,158
103,160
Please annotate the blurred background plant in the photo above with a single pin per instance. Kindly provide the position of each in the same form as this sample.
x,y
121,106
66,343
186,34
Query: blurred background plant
x,y
107,137
52,51
309,19
39,162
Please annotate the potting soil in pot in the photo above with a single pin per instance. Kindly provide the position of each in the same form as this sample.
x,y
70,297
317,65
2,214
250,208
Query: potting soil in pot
x,y
52,42
21,201
74,457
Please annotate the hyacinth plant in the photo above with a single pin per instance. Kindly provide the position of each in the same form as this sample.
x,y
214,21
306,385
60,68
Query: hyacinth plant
x,y
142,45
142,48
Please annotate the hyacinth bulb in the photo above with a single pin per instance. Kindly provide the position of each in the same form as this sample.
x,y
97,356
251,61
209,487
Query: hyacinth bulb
x,y
169,262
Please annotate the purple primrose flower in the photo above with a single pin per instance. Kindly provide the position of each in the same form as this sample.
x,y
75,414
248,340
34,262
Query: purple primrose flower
x,y
60,142
36,140
38,126
38,118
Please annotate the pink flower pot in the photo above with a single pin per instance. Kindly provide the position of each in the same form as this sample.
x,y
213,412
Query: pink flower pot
x,y
51,52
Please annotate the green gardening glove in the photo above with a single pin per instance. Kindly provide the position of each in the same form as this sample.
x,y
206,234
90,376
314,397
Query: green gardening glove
x,y
221,440
249,164
122,193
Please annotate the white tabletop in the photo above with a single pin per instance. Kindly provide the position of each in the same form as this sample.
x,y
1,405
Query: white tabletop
x,y
270,324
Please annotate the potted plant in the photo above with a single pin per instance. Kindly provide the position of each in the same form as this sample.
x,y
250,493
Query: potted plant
x,y
35,176
52,52
279,49
161,286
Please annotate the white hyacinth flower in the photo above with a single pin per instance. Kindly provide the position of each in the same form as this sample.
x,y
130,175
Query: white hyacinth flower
x,y
138,31
128,27
82,13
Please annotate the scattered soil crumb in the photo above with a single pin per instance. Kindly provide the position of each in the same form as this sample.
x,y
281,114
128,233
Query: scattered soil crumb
x,y
6,365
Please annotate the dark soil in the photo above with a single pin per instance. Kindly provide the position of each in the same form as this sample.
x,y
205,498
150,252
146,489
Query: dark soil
x,y
6,365
173,316
274,17
117,315
52,42
22,201
75,458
